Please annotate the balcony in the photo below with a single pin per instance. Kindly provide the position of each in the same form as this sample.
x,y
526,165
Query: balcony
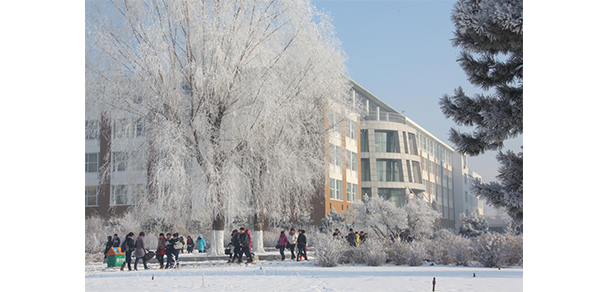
x,y
386,117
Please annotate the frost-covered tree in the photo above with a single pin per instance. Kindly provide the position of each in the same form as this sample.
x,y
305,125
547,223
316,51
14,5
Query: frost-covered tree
x,y
473,225
416,218
421,217
332,220
214,82
490,32
379,215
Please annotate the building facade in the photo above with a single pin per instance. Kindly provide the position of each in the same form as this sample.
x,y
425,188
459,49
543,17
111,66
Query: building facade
x,y
342,160
115,170
383,153
401,160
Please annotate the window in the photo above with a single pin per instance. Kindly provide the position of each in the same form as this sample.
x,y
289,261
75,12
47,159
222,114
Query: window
x,y
396,196
335,189
122,128
405,142
416,172
91,196
92,130
350,129
138,193
120,195
366,192
139,127
138,160
366,170
332,189
119,161
389,170
364,141
349,192
354,161
352,192
333,121
386,141
409,171
339,190
348,160
91,162
338,156
351,162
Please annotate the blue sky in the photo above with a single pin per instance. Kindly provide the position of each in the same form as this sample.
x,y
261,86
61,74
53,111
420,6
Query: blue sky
x,y
401,51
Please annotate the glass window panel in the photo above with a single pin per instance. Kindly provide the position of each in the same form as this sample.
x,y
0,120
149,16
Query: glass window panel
x,y
92,130
366,169
91,196
396,196
364,141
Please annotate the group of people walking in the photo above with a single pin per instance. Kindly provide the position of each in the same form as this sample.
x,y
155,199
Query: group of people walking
x,y
354,238
130,246
290,241
170,246
241,242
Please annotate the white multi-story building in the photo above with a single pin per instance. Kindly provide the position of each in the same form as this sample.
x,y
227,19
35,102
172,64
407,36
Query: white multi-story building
x,y
400,158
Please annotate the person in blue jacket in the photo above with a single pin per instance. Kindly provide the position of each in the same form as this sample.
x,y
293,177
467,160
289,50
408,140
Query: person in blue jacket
x,y
200,244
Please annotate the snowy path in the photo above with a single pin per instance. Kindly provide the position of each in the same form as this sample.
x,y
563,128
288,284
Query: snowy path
x,y
293,276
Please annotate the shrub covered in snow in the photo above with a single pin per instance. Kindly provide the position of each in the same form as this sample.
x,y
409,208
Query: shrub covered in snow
x,y
492,249
96,235
408,253
329,251
373,252
397,253
516,249
416,253
460,250
94,257
438,247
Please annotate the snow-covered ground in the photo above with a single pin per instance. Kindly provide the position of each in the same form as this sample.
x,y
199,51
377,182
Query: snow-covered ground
x,y
302,276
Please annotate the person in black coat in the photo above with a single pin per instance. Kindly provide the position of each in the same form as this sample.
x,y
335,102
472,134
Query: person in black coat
x,y
302,245
128,246
336,234
108,246
244,246
235,244
351,237
170,251
116,241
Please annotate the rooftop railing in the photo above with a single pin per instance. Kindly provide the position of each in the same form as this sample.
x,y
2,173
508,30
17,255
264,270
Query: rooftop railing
x,y
386,117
